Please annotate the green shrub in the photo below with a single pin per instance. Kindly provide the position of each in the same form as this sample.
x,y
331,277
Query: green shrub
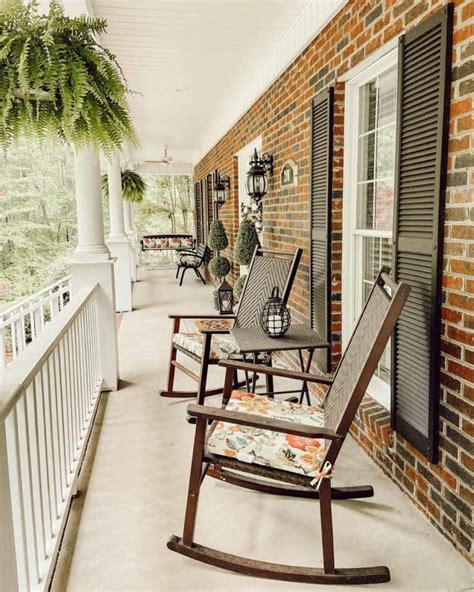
x,y
219,266
239,286
247,240
217,240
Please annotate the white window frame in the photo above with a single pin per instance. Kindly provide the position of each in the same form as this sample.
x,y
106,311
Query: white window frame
x,y
378,389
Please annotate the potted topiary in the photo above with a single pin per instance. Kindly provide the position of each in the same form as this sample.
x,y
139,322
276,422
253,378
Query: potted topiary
x,y
58,81
247,240
220,267
133,186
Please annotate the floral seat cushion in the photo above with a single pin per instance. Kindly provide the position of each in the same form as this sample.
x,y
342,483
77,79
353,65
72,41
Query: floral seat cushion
x,y
190,260
222,345
286,452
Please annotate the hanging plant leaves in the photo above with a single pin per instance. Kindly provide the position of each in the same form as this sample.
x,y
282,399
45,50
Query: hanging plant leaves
x,y
56,80
133,186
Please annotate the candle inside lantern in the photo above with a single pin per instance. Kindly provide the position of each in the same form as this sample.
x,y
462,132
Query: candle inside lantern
x,y
275,324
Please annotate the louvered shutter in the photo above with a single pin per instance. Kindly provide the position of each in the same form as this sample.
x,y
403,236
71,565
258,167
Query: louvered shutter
x,y
198,212
205,215
320,242
423,110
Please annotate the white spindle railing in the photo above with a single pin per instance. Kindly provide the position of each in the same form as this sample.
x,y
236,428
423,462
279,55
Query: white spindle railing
x,y
48,399
22,321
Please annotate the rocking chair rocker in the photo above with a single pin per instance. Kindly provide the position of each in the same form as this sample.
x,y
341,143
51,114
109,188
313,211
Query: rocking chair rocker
x,y
267,269
262,430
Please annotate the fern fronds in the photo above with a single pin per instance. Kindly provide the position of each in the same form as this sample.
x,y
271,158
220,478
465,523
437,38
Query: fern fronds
x,y
56,79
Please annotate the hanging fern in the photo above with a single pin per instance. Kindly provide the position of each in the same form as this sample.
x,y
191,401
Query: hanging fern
x,y
133,186
57,80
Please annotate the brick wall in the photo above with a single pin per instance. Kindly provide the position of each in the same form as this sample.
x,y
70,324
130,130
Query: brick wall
x,y
282,116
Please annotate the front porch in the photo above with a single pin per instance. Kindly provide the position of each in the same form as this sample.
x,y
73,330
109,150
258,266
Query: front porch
x,y
134,480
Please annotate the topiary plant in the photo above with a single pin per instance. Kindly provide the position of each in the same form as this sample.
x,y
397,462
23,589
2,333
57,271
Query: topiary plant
x,y
219,266
239,286
57,80
133,186
247,240
217,240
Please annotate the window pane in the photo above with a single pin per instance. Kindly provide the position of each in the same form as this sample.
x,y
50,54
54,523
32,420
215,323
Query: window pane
x,y
376,252
365,206
383,206
385,151
387,97
368,103
366,157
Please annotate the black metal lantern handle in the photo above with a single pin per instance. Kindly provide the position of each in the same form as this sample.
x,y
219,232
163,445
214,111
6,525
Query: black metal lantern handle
x,y
276,293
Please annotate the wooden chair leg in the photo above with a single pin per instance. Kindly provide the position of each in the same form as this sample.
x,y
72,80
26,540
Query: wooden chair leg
x,y
194,482
177,271
269,379
173,354
326,526
206,354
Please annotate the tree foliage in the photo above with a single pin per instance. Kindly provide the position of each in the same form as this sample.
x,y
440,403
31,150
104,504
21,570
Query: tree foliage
x,y
57,80
37,217
167,205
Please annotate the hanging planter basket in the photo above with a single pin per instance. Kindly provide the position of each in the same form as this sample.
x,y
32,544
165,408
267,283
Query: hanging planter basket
x,y
133,186
57,81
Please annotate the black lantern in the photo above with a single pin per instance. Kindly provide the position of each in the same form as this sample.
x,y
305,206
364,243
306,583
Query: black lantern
x,y
224,298
221,186
257,181
275,318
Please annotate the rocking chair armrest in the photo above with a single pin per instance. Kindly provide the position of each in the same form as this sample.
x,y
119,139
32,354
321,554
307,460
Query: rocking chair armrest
x,y
270,370
200,317
258,421
212,331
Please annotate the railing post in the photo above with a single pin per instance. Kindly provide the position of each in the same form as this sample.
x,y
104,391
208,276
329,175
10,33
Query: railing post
x,y
8,562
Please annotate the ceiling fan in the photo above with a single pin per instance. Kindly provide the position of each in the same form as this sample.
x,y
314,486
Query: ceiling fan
x,y
165,159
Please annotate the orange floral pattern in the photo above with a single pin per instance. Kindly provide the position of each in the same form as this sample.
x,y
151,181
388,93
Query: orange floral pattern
x,y
287,452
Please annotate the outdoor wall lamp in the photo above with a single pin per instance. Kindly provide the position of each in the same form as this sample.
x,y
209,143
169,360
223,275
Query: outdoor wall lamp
x,y
257,181
221,186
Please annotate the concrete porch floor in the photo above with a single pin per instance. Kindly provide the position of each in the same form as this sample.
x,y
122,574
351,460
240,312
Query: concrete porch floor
x,y
134,481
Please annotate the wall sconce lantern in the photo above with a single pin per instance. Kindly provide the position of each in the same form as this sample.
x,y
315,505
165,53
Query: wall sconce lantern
x,y
221,187
257,181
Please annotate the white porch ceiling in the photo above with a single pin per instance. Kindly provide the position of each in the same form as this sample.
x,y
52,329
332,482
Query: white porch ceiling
x,y
199,64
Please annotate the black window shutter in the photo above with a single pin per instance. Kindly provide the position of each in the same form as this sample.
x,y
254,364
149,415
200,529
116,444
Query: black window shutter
x,y
205,215
198,212
420,182
320,242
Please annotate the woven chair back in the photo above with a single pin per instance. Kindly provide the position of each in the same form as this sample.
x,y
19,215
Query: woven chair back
x,y
267,270
363,353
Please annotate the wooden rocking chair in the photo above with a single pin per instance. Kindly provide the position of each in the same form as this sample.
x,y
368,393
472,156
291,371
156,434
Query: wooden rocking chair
x,y
285,442
267,269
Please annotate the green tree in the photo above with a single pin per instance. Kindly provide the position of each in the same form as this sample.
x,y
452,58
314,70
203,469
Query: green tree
x,y
37,216
247,240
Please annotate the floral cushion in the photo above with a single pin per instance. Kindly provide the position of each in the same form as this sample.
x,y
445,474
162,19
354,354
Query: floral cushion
x,y
190,260
295,454
222,346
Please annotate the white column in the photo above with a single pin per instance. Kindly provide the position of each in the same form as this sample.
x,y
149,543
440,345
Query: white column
x,y
127,216
92,264
117,241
